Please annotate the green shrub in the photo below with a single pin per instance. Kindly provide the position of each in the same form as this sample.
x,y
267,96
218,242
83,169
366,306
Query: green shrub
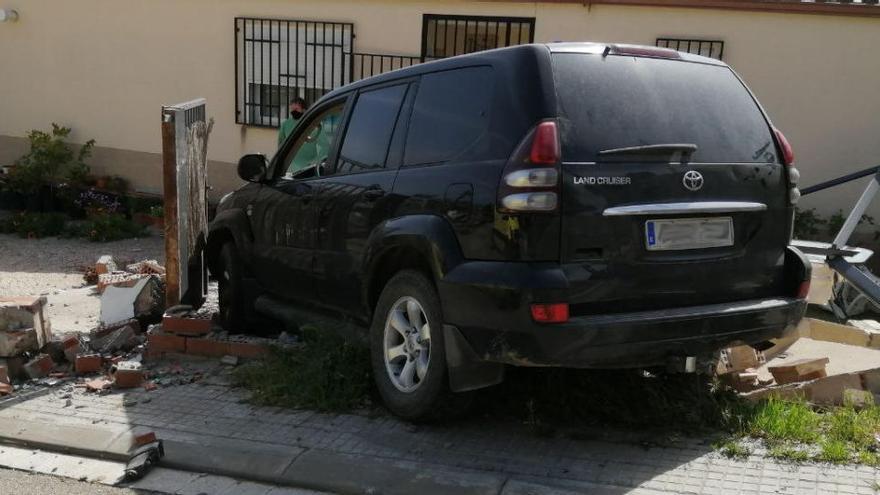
x,y
34,225
105,228
50,161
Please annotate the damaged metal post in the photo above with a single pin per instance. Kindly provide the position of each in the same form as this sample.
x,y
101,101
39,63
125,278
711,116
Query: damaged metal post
x,y
184,167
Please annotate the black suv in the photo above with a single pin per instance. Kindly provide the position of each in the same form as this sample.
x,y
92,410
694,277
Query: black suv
x,y
579,205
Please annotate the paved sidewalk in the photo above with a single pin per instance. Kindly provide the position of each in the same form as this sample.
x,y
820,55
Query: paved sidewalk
x,y
209,426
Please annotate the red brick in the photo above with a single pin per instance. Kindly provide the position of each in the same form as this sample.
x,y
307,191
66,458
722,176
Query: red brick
x,y
128,378
207,347
119,280
98,384
88,363
143,439
71,347
187,325
248,350
39,366
4,374
161,341
5,389
105,264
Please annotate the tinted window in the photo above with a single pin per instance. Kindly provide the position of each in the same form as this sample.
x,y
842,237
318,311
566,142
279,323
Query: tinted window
x,y
450,113
618,102
372,122
314,143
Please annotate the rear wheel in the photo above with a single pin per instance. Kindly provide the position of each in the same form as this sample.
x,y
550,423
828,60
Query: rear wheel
x,y
407,349
229,281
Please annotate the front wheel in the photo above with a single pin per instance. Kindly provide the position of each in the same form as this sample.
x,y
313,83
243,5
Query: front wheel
x,y
229,281
407,349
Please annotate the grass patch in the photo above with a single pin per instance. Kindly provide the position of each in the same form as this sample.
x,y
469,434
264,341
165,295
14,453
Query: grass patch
x,y
325,373
834,451
779,420
788,453
733,449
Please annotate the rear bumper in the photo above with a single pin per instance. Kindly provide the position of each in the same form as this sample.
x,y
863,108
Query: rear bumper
x,y
638,339
488,305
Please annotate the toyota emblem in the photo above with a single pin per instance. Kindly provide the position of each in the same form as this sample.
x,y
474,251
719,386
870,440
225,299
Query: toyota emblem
x,y
693,180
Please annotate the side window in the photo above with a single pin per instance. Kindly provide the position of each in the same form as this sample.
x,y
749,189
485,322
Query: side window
x,y
365,145
451,111
315,142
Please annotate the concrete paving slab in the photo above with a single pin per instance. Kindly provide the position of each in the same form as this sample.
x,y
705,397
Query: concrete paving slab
x,y
357,474
101,443
229,458
68,466
843,358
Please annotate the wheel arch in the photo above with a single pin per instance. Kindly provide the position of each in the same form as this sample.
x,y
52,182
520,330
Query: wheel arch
x,y
228,225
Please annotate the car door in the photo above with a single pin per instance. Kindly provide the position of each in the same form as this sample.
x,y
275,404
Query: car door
x,y
357,196
284,217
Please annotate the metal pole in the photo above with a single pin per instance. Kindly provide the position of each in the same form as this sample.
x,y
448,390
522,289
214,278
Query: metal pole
x,y
856,214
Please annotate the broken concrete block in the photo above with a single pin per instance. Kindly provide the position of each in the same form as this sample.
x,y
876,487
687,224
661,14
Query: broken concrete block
x,y
146,266
25,312
830,390
120,336
872,328
15,342
800,370
835,332
871,380
88,363
105,264
118,301
119,280
740,358
39,366
857,398
128,374
229,360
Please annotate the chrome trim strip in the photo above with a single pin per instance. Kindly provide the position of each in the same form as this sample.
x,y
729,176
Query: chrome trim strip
x,y
678,208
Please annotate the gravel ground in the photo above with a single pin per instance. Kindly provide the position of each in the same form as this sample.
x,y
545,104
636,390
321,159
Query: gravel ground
x,y
53,267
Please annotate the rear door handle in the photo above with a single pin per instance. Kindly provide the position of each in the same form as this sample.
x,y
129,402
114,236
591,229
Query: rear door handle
x,y
374,193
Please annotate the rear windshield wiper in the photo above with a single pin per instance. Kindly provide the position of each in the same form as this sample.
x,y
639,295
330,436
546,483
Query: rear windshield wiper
x,y
685,149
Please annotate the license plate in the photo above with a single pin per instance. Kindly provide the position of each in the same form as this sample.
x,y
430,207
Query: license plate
x,y
688,233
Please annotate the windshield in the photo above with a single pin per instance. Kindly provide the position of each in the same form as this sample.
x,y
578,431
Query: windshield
x,y
614,102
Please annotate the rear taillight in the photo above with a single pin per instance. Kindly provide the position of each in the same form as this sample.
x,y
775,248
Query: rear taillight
x,y
794,175
787,152
550,313
545,144
530,181
803,290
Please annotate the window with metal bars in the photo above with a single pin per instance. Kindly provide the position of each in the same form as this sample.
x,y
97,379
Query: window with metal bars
x,y
279,60
706,48
450,35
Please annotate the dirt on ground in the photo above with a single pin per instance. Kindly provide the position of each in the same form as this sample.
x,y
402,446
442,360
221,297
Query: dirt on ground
x,y
53,267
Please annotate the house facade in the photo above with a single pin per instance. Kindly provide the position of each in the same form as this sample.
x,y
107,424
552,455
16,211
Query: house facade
x,y
105,67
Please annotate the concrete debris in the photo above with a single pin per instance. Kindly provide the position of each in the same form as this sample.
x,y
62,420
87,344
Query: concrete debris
x,y
119,279
23,325
88,363
142,459
120,303
146,266
121,336
105,264
800,370
127,374
98,385
39,366
229,360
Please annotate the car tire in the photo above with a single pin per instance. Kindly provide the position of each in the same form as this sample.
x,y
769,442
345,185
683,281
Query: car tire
x,y
412,387
230,287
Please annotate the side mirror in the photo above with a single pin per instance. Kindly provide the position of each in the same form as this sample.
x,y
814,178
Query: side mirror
x,y
252,168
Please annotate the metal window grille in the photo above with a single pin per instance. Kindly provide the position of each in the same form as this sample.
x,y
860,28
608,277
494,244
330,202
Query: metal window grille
x,y
450,35
706,48
372,64
278,60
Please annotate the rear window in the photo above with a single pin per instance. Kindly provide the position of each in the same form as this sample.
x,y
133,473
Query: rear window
x,y
451,112
618,102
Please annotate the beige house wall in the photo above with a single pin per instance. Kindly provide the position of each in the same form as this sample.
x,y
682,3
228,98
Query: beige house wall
x,y
104,67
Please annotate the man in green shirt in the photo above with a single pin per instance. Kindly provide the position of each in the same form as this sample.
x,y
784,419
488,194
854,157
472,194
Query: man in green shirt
x,y
297,108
